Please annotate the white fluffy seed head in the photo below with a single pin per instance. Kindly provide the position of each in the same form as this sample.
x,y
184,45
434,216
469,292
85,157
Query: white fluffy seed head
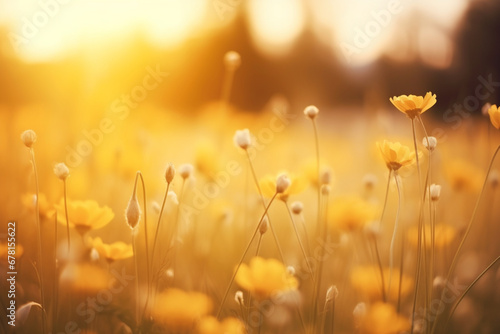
x,y
282,183
297,207
238,297
429,143
242,138
232,60
434,192
169,173
185,170
172,197
28,138
61,170
311,111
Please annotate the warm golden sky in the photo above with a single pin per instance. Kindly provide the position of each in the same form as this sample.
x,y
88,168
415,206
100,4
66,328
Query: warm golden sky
x,y
359,31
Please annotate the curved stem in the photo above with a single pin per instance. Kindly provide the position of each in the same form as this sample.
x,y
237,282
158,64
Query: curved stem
x,y
452,311
243,256
466,234
158,227
136,260
256,181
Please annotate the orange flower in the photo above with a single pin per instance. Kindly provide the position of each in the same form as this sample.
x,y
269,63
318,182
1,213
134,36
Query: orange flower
x,y
367,280
413,105
443,235
351,213
112,252
268,186
382,318
396,155
178,310
84,215
210,325
264,278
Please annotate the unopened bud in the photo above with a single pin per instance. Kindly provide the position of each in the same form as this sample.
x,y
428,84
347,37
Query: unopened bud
x,y
297,207
170,173
311,112
264,225
282,183
232,60
238,297
359,313
242,138
185,170
429,143
61,171
133,210
332,293
28,137
434,192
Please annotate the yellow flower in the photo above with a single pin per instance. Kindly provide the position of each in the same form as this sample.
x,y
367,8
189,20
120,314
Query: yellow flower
x,y
396,155
494,116
351,213
268,186
265,278
84,215
462,175
382,318
367,280
112,252
85,278
413,105
210,325
178,310
46,209
443,235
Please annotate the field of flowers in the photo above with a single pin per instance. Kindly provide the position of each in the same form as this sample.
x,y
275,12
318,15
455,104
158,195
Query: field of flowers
x,y
262,221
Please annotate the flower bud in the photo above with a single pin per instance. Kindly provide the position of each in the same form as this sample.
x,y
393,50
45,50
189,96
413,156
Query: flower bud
x,y
170,173
185,170
232,60
61,170
238,297
133,210
297,207
311,112
264,225
434,192
28,137
282,183
429,143
242,138
332,293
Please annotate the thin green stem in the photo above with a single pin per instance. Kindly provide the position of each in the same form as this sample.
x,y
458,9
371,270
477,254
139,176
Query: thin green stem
x,y
243,256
